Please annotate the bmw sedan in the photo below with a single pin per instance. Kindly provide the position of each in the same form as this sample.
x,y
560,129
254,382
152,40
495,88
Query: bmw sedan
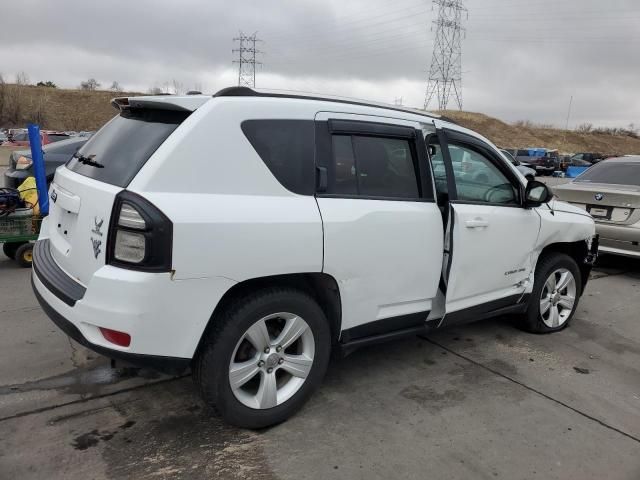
x,y
610,192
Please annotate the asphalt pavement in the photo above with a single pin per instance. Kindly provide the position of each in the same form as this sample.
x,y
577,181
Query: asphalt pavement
x,y
482,401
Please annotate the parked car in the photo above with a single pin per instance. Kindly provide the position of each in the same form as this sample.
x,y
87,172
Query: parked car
x,y
312,225
588,157
525,169
610,192
21,139
542,160
55,154
3,138
12,131
577,162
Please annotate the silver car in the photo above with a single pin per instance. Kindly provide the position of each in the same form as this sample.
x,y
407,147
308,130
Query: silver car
x,y
610,192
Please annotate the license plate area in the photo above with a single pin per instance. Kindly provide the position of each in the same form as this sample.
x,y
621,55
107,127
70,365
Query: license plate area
x,y
603,213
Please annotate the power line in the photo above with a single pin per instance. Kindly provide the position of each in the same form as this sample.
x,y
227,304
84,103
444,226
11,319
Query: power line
x,y
247,59
445,74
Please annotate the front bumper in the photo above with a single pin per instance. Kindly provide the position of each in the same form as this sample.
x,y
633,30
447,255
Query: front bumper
x,y
13,178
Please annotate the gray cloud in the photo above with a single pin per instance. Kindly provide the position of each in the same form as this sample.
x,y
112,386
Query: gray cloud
x,y
521,59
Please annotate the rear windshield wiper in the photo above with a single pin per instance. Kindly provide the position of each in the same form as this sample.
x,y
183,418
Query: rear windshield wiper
x,y
88,160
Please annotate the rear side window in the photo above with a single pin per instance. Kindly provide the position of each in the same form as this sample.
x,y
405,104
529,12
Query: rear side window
x,y
287,148
374,167
119,150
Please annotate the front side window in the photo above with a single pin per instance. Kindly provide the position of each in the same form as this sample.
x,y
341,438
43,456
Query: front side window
x,y
478,179
374,167
437,165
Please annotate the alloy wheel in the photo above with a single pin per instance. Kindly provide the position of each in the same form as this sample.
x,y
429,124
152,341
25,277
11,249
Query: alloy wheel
x,y
558,298
272,360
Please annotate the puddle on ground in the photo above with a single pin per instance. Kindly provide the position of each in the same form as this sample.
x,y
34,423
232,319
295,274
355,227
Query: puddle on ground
x,y
81,381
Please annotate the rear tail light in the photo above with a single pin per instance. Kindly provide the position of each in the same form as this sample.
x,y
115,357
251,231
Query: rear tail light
x,y
140,235
23,163
118,338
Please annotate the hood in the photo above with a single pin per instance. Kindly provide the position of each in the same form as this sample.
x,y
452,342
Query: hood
x,y
560,206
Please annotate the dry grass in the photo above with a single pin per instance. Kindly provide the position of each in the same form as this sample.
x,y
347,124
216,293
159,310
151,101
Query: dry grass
x,y
61,109
567,141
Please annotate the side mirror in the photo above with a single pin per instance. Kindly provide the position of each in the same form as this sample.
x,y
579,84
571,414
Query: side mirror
x,y
536,194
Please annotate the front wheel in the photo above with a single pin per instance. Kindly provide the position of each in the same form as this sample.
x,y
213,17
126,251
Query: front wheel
x,y
263,357
556,292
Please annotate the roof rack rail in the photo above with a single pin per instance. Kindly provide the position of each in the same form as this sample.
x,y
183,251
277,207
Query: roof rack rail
x,y
249,92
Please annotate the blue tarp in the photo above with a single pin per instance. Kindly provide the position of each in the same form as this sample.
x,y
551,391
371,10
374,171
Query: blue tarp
x,y
537,152
573,172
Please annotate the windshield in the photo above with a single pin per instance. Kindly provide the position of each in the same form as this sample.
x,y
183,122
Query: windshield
x,y
119,150
617,173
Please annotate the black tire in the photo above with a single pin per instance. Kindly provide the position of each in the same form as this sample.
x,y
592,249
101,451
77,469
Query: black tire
x,y
211,364
532,320
24,255
10,249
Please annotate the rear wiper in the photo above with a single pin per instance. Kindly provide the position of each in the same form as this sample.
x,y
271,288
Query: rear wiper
x,y
88,160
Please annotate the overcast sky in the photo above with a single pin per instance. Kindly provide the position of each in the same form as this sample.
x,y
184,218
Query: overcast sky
x,y
522,59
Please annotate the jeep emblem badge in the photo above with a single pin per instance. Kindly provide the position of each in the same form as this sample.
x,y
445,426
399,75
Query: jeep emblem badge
x,y
598,196
96,231
96,246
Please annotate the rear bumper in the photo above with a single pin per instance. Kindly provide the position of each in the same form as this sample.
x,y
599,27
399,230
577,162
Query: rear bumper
x,y
619,240
171,365
164,317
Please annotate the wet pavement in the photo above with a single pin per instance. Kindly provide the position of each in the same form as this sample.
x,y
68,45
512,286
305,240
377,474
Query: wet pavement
x,y
481,401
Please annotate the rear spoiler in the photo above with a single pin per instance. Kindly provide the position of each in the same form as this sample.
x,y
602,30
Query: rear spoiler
x,y
161,102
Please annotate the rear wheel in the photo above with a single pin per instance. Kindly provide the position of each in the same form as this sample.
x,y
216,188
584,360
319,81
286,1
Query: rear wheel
x,y
556,292
264,357
10,249
24,255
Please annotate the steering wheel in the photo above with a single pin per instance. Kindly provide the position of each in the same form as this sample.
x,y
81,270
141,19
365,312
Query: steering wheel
x,y
496,190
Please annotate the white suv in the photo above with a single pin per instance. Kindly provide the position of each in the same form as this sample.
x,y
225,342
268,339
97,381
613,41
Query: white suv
x,y
249,234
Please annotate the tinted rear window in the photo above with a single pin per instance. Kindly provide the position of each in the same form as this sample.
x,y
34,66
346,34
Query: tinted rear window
x,y
617,173
287,147
125,144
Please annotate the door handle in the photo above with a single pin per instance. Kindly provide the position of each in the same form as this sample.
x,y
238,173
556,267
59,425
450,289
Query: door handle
x,y
476,223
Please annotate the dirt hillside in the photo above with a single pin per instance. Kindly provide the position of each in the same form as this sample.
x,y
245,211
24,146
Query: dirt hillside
x,y
87,110
567,141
